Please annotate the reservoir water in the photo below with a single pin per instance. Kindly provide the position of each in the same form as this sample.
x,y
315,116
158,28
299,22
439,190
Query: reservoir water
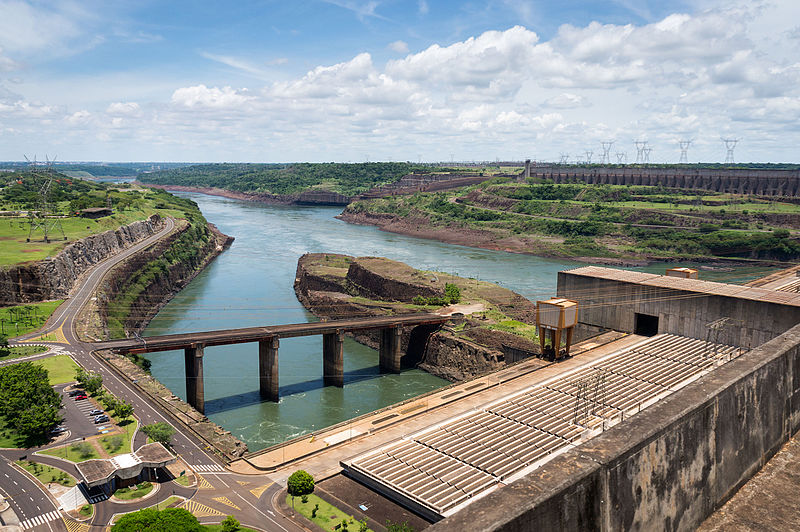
x,y
251,284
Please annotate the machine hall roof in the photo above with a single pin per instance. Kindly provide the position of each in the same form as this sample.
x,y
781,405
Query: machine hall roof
x,y
689,285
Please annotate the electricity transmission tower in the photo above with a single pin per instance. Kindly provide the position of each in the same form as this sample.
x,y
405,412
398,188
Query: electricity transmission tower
x,y
730,144
646,153
38,218
564,158
641,146
606,150
589,154
684,144
621,157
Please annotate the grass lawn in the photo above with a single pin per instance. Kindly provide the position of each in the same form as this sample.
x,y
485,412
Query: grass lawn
x,y
182,480
18,352
327,515
172,500
22,319
77,452
115,444
86,510
45,473
61,368
134,492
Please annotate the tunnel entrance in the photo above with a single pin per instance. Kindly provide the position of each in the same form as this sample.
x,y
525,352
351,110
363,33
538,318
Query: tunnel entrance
x,y
645,324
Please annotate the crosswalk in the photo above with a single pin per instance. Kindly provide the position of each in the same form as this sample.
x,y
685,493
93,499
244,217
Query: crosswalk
x,y
40,520
208,468
97,498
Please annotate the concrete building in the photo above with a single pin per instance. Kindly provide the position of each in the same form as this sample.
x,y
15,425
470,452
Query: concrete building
x,y
124,470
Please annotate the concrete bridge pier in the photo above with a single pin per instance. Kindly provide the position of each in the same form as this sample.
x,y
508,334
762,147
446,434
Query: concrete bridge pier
x,y
390,353
268,368
193,356
333,359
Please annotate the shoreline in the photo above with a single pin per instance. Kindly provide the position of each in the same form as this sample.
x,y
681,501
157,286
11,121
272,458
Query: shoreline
x,y
465,237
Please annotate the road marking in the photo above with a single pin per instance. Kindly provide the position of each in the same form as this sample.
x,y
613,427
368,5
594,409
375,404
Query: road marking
x,y
259,491
40,519
203,484
242,482
74,526
225,500
208,468
199,510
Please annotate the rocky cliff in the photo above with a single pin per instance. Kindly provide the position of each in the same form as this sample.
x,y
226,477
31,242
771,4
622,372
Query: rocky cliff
x,y
54,277
338,286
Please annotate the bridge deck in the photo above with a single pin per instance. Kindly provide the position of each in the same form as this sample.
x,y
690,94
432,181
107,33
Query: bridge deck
x,y
254,334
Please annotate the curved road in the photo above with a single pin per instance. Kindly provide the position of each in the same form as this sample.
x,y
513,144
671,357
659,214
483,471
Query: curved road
x,y
220,493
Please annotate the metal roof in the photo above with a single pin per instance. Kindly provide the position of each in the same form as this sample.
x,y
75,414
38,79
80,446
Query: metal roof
x,y
688,285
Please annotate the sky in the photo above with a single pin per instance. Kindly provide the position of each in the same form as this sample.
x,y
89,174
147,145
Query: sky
x,y
399,80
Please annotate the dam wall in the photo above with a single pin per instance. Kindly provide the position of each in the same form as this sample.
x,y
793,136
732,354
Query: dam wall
x,y
782,183
666,468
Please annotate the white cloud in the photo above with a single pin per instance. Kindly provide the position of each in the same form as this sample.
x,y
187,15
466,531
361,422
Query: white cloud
x,y
422,7
400,47
502,93
123,108
202,96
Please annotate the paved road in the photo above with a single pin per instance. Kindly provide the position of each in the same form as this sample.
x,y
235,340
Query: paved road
x,y
220,492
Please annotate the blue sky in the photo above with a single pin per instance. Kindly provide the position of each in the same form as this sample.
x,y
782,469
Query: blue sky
x,y
348,80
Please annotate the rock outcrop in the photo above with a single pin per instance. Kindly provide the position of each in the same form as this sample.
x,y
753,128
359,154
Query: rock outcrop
x,y
54,277
334,286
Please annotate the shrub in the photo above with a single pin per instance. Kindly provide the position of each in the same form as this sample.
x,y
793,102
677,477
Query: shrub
x,y
230,524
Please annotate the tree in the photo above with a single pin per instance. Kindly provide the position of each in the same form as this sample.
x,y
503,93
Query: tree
x,y
300,483
27,401
88,380
123,409
165,520
4,351
159,432
230,524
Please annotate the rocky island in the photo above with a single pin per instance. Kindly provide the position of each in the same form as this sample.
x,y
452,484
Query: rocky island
x,y
488,321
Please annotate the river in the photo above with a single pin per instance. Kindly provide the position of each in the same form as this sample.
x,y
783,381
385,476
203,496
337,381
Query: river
x,y
251,284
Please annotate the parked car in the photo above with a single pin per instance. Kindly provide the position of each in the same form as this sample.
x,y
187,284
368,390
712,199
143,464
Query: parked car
x,y
73,393
81,396
95,412
101,418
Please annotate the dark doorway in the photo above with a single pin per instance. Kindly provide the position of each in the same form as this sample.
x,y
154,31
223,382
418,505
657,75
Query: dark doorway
x,y
645,325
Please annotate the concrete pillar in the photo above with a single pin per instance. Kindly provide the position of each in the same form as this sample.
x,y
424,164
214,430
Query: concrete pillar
x,y
390,349
333,359
194,377
268,368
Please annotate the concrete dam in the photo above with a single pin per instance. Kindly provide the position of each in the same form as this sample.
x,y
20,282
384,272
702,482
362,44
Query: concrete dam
x,y
758,182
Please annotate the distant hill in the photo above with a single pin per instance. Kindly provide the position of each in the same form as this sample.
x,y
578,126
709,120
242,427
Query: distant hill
x,y
284,179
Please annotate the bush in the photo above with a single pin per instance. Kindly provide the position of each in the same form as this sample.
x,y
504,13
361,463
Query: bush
x,y
452,293
230,524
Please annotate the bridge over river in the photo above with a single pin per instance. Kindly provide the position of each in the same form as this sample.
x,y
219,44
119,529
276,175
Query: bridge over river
x,y
268,339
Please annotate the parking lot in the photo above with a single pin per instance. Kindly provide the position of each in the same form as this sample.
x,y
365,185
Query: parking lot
x,y
77,417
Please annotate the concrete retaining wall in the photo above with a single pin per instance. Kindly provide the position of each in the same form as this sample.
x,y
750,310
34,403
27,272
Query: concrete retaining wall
x,y
668,467
614,304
